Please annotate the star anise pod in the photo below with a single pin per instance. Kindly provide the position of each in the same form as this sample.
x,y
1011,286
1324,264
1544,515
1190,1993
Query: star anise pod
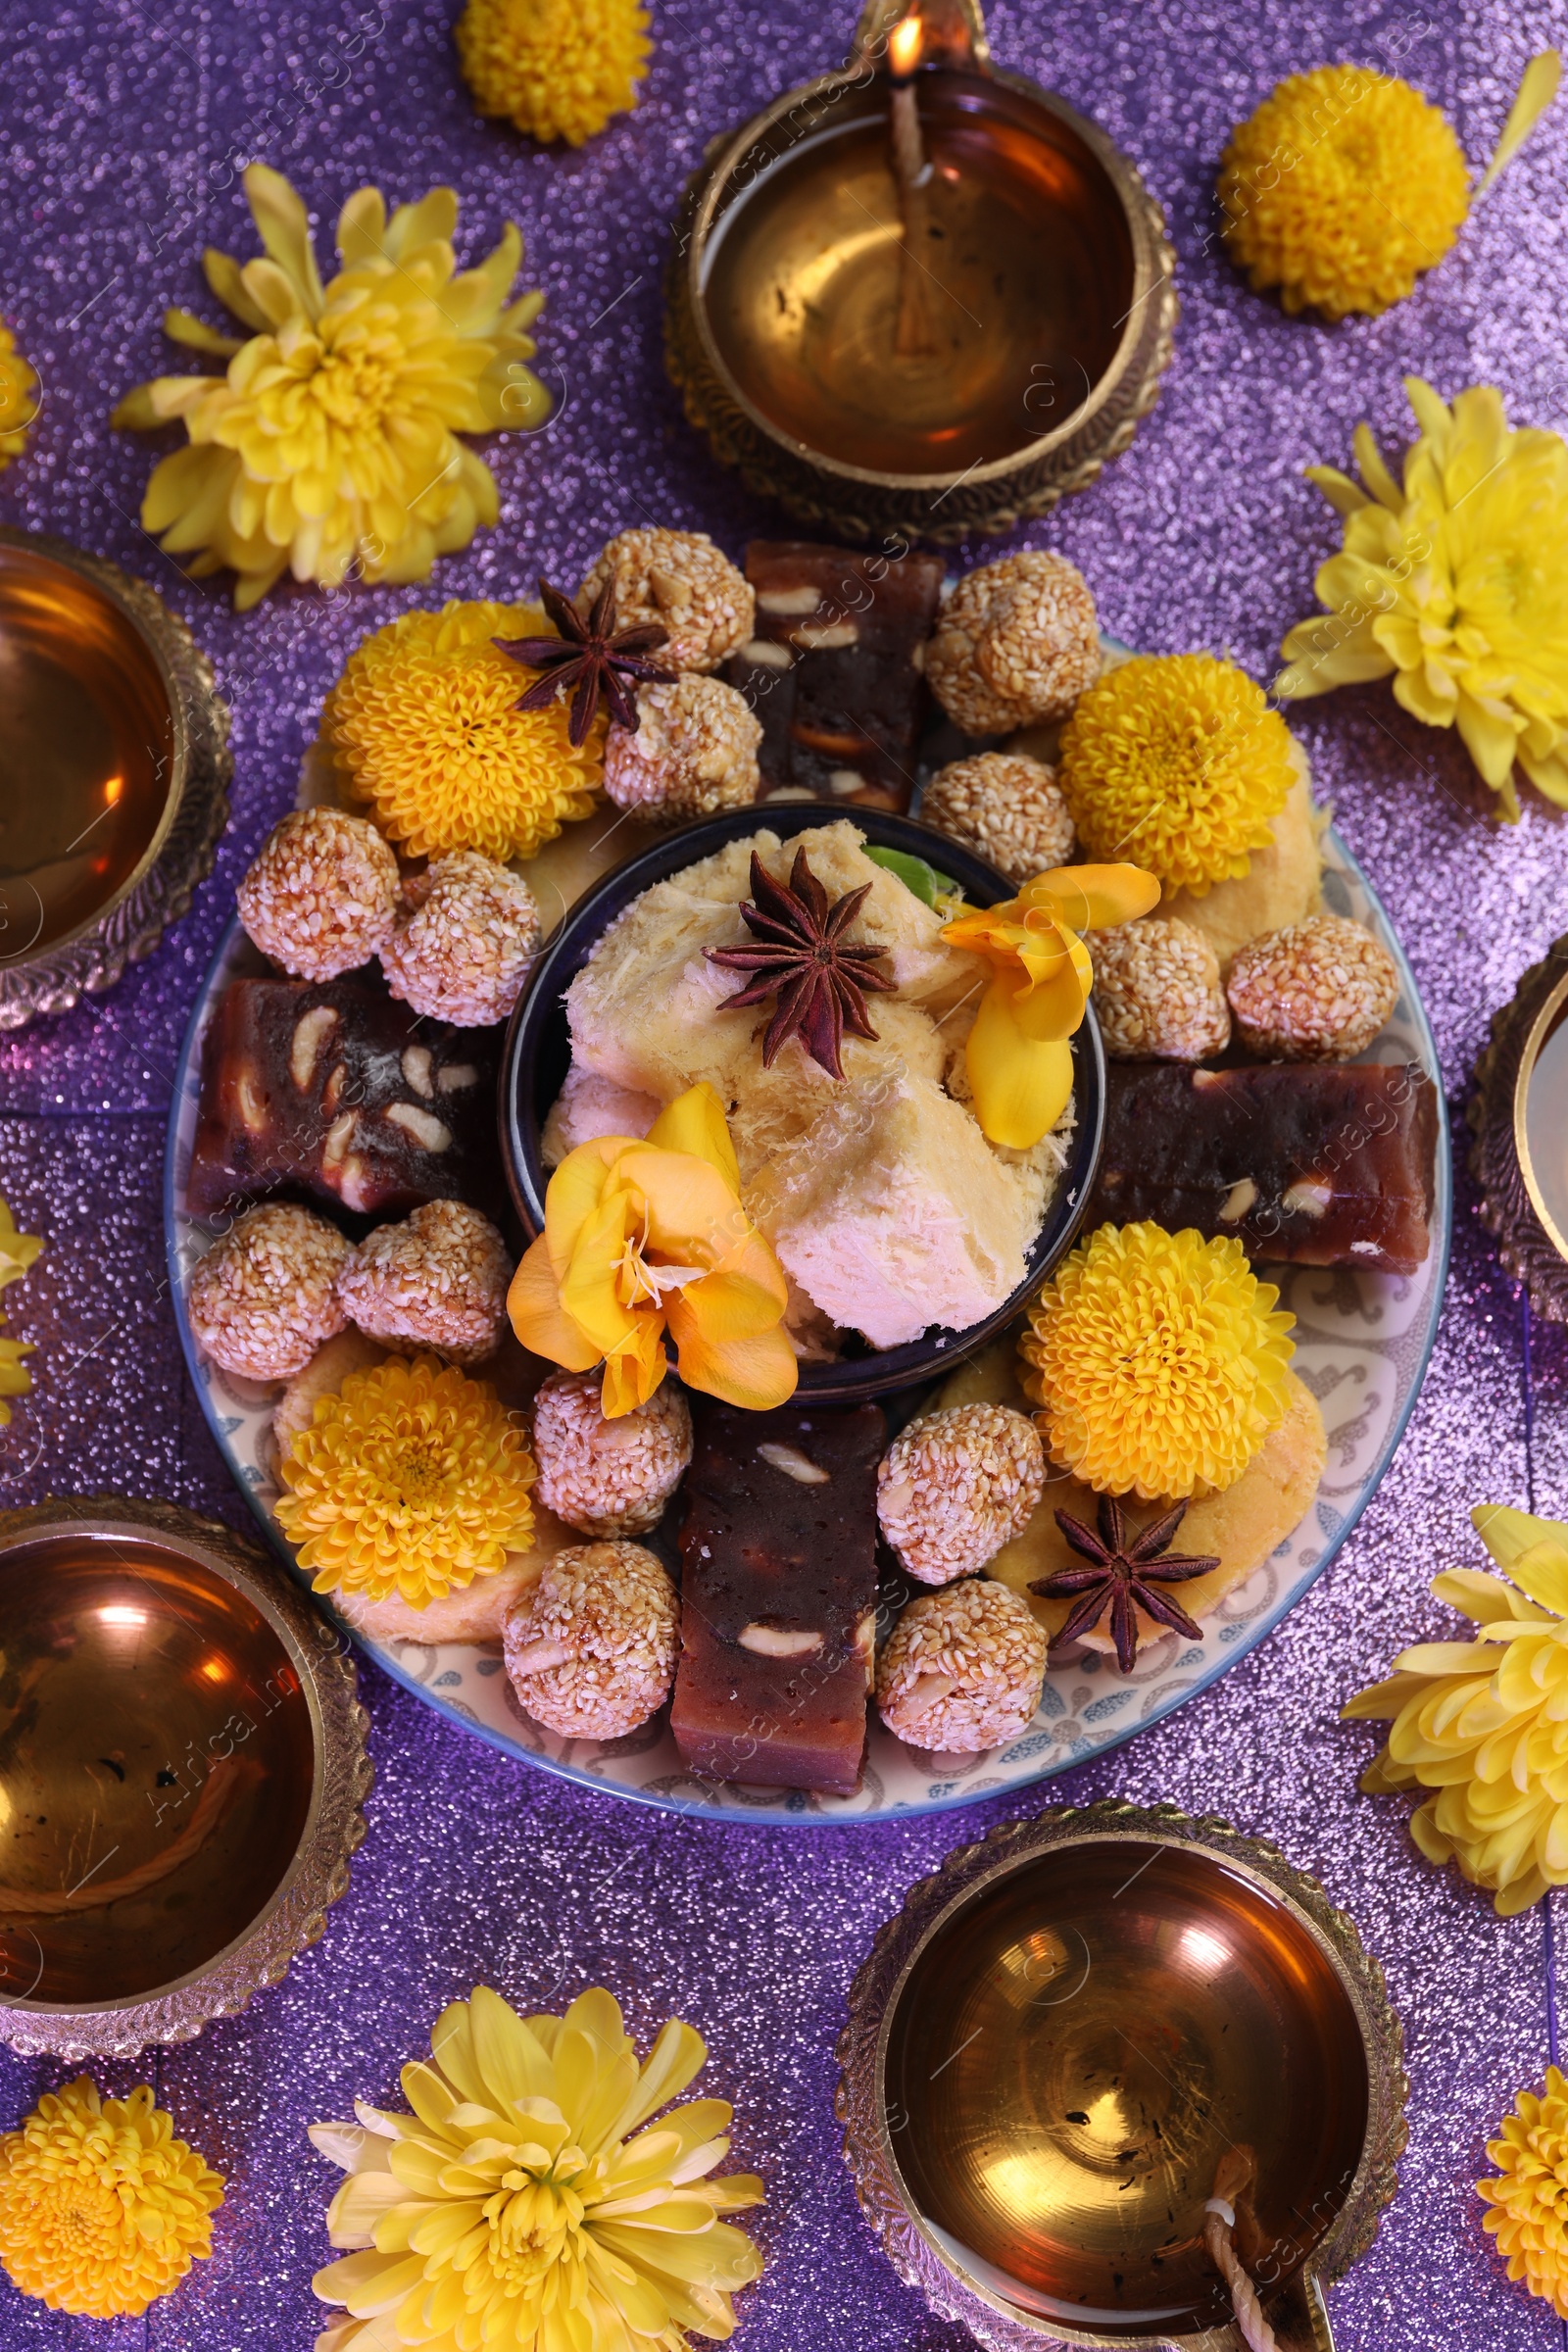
x,y
592,657
818,982
1124,1569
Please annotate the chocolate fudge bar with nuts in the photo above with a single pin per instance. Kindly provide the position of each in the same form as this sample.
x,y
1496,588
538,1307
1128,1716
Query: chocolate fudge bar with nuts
x,y
1307,1163
778,1594
331,1087
836,669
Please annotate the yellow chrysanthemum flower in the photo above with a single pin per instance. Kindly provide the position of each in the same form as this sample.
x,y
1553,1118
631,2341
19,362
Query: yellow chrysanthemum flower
x,y
1340,188
557,69
524,2207
1018,1055
424,726
18,1251
646,1241
19,398
1159,1362
1346,184
328,448
102,2208
1529,2216
1457,584
413,1480
1176,761
1483,1724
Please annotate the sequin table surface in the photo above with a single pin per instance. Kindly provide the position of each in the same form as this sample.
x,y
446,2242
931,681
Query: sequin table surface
x,y
124,134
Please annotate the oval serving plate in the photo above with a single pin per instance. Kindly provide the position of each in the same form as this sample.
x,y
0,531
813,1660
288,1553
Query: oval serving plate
x,y
1363,1342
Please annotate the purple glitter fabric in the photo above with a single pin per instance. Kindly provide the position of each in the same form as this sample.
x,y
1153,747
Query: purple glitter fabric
x,y
124,131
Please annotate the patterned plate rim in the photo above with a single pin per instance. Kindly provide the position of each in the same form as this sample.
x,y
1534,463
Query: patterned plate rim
x,y
783,1814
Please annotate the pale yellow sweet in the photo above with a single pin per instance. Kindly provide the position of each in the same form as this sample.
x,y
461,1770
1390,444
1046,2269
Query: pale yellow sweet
x,y
1240,1526
1283,885
478,1613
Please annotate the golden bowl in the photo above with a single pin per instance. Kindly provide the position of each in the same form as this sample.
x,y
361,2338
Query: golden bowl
x,y
1055,2042
181,1770
113,774
1519,1114
1049,306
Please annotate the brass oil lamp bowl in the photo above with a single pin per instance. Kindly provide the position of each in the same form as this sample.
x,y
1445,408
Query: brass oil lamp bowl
x,y
182,1769
918,342
113,774
1062,2036
1519,1114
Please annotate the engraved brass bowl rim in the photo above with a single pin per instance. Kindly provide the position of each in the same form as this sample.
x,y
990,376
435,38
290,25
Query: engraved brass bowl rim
x,y
294,1915
860,2101
858,501
1532,1250
157,892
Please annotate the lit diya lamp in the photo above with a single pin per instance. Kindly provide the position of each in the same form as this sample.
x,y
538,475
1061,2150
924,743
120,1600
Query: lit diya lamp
x,y
113,773
919,296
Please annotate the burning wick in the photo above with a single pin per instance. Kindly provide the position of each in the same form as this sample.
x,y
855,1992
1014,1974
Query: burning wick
x,y
913,336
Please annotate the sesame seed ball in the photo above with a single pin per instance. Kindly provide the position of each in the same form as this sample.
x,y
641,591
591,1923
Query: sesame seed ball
x,y
954,1487
1017,642
439,1279
608,1478
963,1669
463,951
1158,992
264,1297
686,585
1317,990
693,753
322,893
1008,807
590,1650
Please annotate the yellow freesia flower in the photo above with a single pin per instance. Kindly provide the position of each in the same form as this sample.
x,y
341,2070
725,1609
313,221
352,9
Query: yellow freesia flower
x,y
1457,583
642,1239
1018,1060
329,446
1483,1724
528,2204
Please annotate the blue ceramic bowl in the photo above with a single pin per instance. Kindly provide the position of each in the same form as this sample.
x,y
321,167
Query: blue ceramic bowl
x,y
539,1048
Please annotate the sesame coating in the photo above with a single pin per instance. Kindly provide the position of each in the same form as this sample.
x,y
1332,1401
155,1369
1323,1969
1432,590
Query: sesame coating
x,y
963,1669
1017,642
1317,990
1158,992
1006,805
683,582
611,1611
608,1478
693,754
265,1297
439,1279
462,950
320,894
954,1486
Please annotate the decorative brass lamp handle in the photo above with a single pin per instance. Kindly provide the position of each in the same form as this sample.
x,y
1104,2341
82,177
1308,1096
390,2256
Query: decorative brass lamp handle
x,y
955,31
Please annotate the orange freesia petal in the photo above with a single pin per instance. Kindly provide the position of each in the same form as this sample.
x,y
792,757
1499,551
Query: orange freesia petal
x,y
574,1193
534,1304
635,1370
691,1214
1093,897
1021,1083
1057,981
695,1122
592,1292
755,1373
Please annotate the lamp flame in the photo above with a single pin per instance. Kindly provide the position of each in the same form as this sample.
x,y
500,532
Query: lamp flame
x,y
904,43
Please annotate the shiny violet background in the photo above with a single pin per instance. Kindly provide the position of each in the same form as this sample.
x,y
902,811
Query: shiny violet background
x,y
123,131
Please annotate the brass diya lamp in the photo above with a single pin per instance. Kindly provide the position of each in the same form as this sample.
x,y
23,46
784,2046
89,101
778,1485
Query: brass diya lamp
x,y
1520,1116
181,1770
1064,2041
918,297
113,774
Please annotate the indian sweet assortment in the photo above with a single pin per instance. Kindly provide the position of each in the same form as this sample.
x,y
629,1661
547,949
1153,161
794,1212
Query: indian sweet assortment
x,y
812,1124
